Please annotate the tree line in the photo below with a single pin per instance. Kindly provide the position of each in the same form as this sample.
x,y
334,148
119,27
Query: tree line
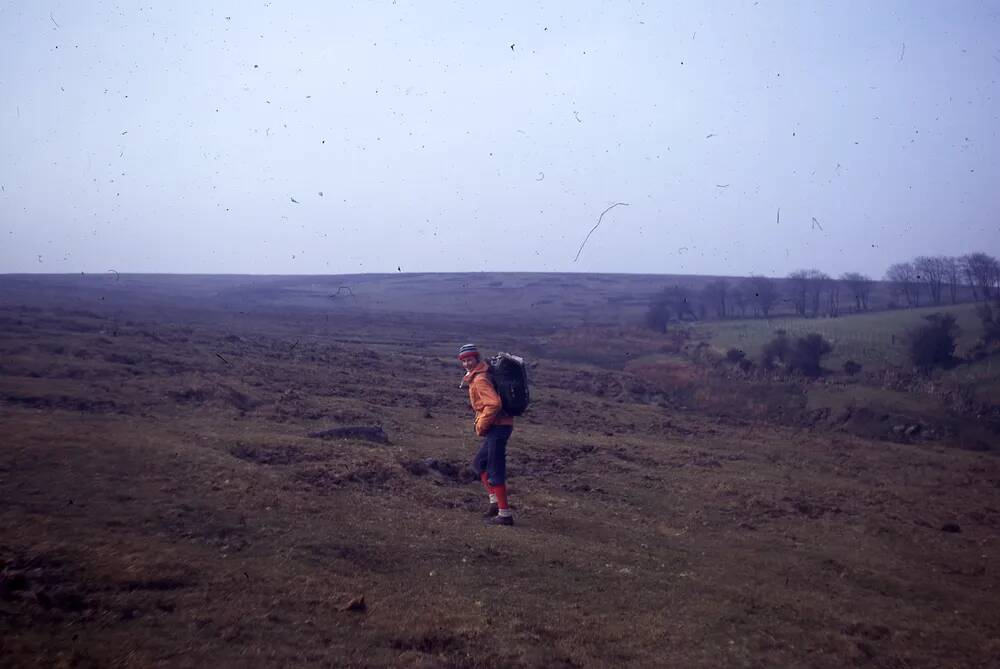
x,y
930,275
811,292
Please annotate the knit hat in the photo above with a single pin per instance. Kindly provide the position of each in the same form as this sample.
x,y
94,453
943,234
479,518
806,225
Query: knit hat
x,y
468,351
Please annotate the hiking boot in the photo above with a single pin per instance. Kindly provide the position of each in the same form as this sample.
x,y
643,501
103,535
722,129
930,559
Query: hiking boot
x,y
500,520
492,511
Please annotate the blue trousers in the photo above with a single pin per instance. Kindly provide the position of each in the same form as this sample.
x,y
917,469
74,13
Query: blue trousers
x,y
492,455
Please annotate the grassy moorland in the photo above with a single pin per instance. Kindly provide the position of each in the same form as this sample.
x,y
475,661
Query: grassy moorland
x,y
165,504
877,338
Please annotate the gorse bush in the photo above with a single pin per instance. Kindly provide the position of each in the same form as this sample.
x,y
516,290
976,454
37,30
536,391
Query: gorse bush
x,y
807,353
991,323
775,351
658,316
933,344
802,355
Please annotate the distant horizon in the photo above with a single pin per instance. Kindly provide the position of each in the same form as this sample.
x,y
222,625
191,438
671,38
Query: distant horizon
x,y
879,279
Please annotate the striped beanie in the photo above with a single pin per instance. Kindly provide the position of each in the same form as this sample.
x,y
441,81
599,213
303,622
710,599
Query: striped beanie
x,y
468,351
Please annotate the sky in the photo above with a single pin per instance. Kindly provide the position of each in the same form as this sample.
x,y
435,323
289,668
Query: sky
x,y
385,136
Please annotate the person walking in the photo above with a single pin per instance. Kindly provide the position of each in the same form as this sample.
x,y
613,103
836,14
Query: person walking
x,y
495,427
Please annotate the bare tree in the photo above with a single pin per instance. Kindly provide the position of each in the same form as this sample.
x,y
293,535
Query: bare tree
x,y
798,290
833,297
982,271
968,277
715,293
657,314
763,294
675,300
681,302
904,279
859,287
818,283
738,297
805,288
952,276
930,270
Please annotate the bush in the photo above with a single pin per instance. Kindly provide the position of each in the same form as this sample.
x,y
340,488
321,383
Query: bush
x,y
807,353
735,355
852,367
746,365
991,324
658,316
933,344
775,350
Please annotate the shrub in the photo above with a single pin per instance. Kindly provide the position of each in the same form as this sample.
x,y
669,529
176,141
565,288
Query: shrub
x,y
852,367
933,344
991,324
774,350
658,316
735,355
807,353
746,365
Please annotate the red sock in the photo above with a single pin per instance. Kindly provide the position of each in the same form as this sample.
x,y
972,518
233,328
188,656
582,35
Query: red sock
x,y
501,493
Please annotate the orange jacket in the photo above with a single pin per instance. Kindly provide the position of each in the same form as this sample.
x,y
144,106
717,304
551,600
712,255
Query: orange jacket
x,y
484,400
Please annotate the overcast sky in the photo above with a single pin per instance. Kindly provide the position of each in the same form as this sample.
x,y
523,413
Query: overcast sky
x,y
431,136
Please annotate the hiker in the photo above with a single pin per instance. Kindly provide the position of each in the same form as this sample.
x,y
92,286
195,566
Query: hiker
x,y
495,427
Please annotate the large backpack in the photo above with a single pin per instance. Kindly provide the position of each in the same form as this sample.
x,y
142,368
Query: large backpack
x,y
510,378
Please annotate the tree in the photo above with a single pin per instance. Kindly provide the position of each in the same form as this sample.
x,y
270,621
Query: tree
x,y
657,315
715,293
798,290
678,298
967,276
806,288
668,304
933,344
982,272
763,294
833,297
930,270
859,287
738,297
951,270
903,276
818,283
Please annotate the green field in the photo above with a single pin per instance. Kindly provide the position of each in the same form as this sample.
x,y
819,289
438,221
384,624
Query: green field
x,y
872,339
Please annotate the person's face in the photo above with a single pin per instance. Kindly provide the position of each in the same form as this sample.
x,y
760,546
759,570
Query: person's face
x,y
470,363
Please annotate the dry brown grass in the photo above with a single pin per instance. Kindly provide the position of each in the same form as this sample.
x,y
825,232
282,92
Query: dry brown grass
x,y
165,507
